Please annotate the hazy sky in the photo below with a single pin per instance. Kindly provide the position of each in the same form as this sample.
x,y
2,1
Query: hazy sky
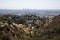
x,y
30,4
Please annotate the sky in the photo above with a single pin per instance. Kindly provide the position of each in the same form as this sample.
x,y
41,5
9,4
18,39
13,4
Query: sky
x,y
29,4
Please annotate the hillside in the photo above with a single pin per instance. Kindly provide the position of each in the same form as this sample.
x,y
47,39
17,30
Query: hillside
x,y
15,27
29,27
53,29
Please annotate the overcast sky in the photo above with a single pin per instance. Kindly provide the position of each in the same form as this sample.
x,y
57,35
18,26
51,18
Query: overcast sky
x,y
29,4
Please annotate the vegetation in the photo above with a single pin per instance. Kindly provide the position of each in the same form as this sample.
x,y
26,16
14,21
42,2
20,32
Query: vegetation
x,y
29,27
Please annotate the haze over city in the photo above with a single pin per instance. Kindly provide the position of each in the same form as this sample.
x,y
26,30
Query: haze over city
x,y
29,4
